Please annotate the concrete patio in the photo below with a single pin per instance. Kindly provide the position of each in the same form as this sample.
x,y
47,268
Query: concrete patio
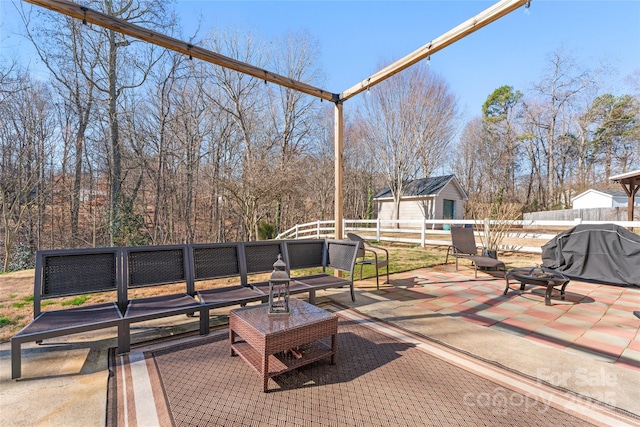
x,y
587,345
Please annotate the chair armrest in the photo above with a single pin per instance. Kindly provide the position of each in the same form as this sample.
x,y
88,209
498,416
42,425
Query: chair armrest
x,y
374,253
369,245
458,252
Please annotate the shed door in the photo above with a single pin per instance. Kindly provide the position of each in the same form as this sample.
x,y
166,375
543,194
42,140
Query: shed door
x,y
448,209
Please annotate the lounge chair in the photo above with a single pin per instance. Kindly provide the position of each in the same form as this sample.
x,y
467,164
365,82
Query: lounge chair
x,y
368,255
464,246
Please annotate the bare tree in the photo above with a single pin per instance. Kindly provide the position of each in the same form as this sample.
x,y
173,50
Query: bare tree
x,y
7,88
469,167
251,181
558,90
293,112
438,120
585,149
153,146
84,58
26,125
61,47
362,180
319,168
221,140
409,121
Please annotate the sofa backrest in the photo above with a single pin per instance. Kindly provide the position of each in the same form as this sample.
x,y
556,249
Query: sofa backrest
x,y
215,260
145,266
307,253
259,257
70,272
342,254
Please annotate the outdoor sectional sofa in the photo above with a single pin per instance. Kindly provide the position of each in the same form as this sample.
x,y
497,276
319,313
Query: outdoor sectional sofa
x,y
182,271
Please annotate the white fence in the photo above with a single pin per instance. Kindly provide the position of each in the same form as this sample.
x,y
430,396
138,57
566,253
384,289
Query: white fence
x,y
523,236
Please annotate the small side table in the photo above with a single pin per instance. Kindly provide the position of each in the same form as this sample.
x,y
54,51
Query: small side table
x,y
265,339
538,277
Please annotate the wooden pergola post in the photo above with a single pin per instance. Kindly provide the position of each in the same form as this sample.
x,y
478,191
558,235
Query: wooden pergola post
x,y
339,167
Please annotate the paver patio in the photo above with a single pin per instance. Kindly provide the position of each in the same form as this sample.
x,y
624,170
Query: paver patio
x,y
558,344
593,318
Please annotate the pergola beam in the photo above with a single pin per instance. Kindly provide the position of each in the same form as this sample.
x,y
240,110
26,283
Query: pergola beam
x,y
484,18
120,25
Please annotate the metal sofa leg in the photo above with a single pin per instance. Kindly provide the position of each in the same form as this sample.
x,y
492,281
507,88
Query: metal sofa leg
x,y
204,321
16,359
124,338
353,294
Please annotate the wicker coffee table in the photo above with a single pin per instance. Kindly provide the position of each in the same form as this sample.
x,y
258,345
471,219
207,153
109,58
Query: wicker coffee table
x,y
266,340
539,277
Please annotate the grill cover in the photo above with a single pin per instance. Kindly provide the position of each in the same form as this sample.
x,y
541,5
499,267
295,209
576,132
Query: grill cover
x,y
604,253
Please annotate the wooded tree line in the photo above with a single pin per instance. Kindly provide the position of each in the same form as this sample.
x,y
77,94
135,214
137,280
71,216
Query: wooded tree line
x,y
540,148
129,144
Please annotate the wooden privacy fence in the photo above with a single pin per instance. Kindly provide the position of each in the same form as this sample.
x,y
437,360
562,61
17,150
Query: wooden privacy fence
x,y
587,214
522,236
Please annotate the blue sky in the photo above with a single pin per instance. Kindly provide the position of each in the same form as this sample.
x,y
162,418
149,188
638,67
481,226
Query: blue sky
x,y
355,36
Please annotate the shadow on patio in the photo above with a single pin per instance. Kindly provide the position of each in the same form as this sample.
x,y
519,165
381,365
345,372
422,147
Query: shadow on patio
x,y
592,318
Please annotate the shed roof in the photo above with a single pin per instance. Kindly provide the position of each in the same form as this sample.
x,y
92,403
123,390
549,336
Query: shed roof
x,y
430,186
610,193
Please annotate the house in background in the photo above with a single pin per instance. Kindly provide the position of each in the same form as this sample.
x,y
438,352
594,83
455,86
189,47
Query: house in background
x,y
438,197
602,199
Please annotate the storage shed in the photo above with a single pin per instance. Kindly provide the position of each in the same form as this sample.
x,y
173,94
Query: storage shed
x,y
438,197
602,199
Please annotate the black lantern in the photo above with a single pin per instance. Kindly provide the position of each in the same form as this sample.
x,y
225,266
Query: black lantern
x,y
279,289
